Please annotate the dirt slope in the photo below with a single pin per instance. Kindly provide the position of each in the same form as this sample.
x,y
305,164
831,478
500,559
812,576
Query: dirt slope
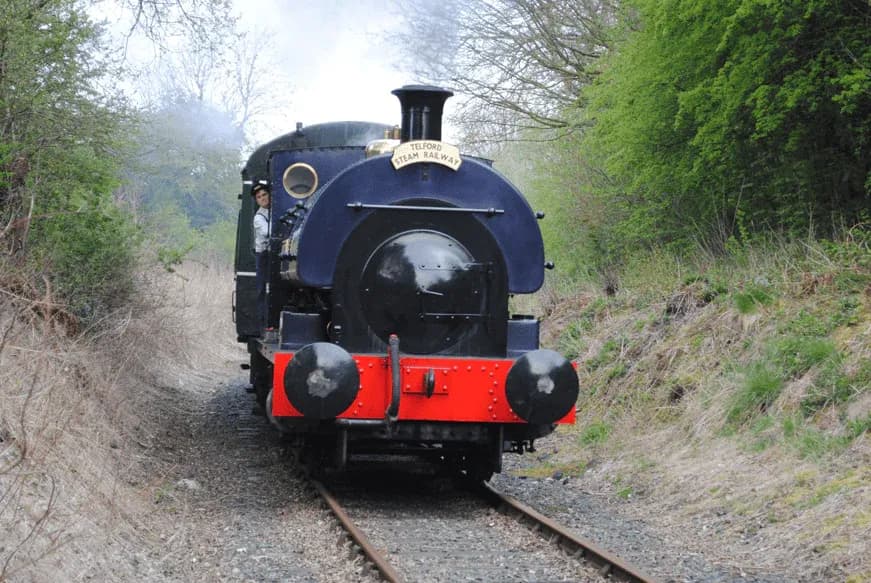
x,y
136,457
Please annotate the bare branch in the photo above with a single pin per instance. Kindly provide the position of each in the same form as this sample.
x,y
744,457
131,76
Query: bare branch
x,y
160,20
517,62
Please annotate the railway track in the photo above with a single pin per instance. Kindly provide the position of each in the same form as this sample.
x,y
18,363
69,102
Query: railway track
x,y
425,532
578,547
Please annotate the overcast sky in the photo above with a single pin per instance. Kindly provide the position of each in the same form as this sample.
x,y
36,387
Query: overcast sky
x,y
334,54
333,58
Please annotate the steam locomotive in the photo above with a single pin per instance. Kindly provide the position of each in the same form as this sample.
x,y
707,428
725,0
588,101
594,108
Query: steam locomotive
x,y
391,262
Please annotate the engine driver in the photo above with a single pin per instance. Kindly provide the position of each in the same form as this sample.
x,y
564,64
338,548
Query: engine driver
x,y
261,247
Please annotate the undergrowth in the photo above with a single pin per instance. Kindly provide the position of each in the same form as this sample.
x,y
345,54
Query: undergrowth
x,y
767,346
758,322
76,404
763,353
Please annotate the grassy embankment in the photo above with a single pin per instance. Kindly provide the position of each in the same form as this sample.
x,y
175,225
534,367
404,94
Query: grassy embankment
x,y
80,411
737,387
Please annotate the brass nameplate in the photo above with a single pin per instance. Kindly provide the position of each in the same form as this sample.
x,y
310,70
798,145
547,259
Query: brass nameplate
x,y
430,151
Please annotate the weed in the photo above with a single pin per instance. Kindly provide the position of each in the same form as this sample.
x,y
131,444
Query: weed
x,y
862,520
618,370
706,290
728,431
857,427
761,444
596,386
753,296
812,443
847,313
853,251
594,309
859,577
833,386
572,341
851,281
833,546
596,432
625,493
762,385
790,426
774,516
805,478
762,437
643,463
691,279
806,324
607,353
762,424
171,258
653,273
797,354
162,494
807,498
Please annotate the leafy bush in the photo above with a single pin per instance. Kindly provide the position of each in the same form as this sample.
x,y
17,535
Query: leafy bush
x,y
853,250
63,133
715,120
91,255
557,178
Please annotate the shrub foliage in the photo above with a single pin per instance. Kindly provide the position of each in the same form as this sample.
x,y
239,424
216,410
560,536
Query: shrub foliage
x,y
714,123
722,118
59,145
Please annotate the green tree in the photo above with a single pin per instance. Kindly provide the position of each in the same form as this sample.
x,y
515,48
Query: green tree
x,y
185,178
719,118
190,155
59,144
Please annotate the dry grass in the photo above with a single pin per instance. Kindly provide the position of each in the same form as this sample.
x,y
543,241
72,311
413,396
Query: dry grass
x,y
78,412
61,415
664,362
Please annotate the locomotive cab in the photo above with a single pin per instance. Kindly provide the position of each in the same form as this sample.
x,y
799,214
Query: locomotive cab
x,y
389,289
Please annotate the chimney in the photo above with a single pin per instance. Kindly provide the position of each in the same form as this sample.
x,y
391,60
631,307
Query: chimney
x,y
422,107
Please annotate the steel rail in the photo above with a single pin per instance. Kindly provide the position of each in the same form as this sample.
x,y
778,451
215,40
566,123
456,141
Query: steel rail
x,y
377,559
607,563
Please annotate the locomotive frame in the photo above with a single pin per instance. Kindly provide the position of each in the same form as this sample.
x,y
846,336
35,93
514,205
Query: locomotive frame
x,y
391,261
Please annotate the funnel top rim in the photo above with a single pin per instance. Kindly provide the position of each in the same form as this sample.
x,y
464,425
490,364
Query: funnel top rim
x,y
423,89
